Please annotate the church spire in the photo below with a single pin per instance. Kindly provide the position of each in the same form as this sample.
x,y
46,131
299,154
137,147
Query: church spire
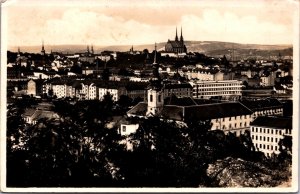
x,y
43,48
92,49
176,37
154,62
19,52
181,37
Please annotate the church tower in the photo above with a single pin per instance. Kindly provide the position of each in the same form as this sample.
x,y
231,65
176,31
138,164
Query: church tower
x,y
155,96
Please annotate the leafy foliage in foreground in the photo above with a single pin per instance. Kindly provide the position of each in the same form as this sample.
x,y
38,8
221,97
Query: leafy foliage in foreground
x,y
79,150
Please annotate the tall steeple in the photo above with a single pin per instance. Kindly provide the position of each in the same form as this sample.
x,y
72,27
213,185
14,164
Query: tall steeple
x,y
43,48
88,49
176,37
181,37
92,49
19,52
155,95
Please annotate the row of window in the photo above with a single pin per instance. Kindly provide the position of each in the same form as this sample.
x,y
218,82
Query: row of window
x,y
267,139
268,147
267,131
215,85
268,111
231,126
218,89
230,118
219,93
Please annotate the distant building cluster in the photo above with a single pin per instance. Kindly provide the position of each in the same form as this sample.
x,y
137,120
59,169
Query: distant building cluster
x,y
234,96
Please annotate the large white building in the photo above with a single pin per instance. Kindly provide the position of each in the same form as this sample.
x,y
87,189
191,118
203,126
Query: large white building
x,y
266,132
210,89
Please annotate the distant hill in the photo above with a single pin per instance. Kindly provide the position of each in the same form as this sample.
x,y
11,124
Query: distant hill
x,y
211,48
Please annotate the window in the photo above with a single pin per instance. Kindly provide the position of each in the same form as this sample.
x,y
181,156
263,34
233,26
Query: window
x,y
260,138
271,139
268,138
260,130
256,129
256,137
264,130
267,146
124,128
268,130
264,138
271,147
151,98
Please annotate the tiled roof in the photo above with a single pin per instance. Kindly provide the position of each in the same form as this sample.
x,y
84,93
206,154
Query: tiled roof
x,y
199,112
218,110
256,105
185,101
273,122
175,43
140,109
172,112
174,86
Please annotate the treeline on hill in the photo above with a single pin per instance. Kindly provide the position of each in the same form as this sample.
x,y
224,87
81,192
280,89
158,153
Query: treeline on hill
x,y
80,150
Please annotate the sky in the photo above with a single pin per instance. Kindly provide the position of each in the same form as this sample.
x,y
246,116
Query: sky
x,y
117,22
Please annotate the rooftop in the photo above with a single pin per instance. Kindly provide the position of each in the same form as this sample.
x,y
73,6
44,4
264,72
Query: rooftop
x,y
273,122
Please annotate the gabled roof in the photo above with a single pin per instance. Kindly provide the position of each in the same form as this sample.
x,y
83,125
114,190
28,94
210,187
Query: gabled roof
x,y
273,122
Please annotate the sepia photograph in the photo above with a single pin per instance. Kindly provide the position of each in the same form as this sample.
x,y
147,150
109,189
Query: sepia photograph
x,y
149,96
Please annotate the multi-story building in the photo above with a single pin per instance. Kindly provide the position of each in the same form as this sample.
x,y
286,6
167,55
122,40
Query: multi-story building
x,y
229,89
266,132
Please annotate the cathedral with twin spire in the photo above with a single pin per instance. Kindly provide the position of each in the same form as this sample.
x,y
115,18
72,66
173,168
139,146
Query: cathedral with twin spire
x,y
177,45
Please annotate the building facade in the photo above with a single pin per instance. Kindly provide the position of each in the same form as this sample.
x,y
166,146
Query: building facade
x,y
229,89
266,132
